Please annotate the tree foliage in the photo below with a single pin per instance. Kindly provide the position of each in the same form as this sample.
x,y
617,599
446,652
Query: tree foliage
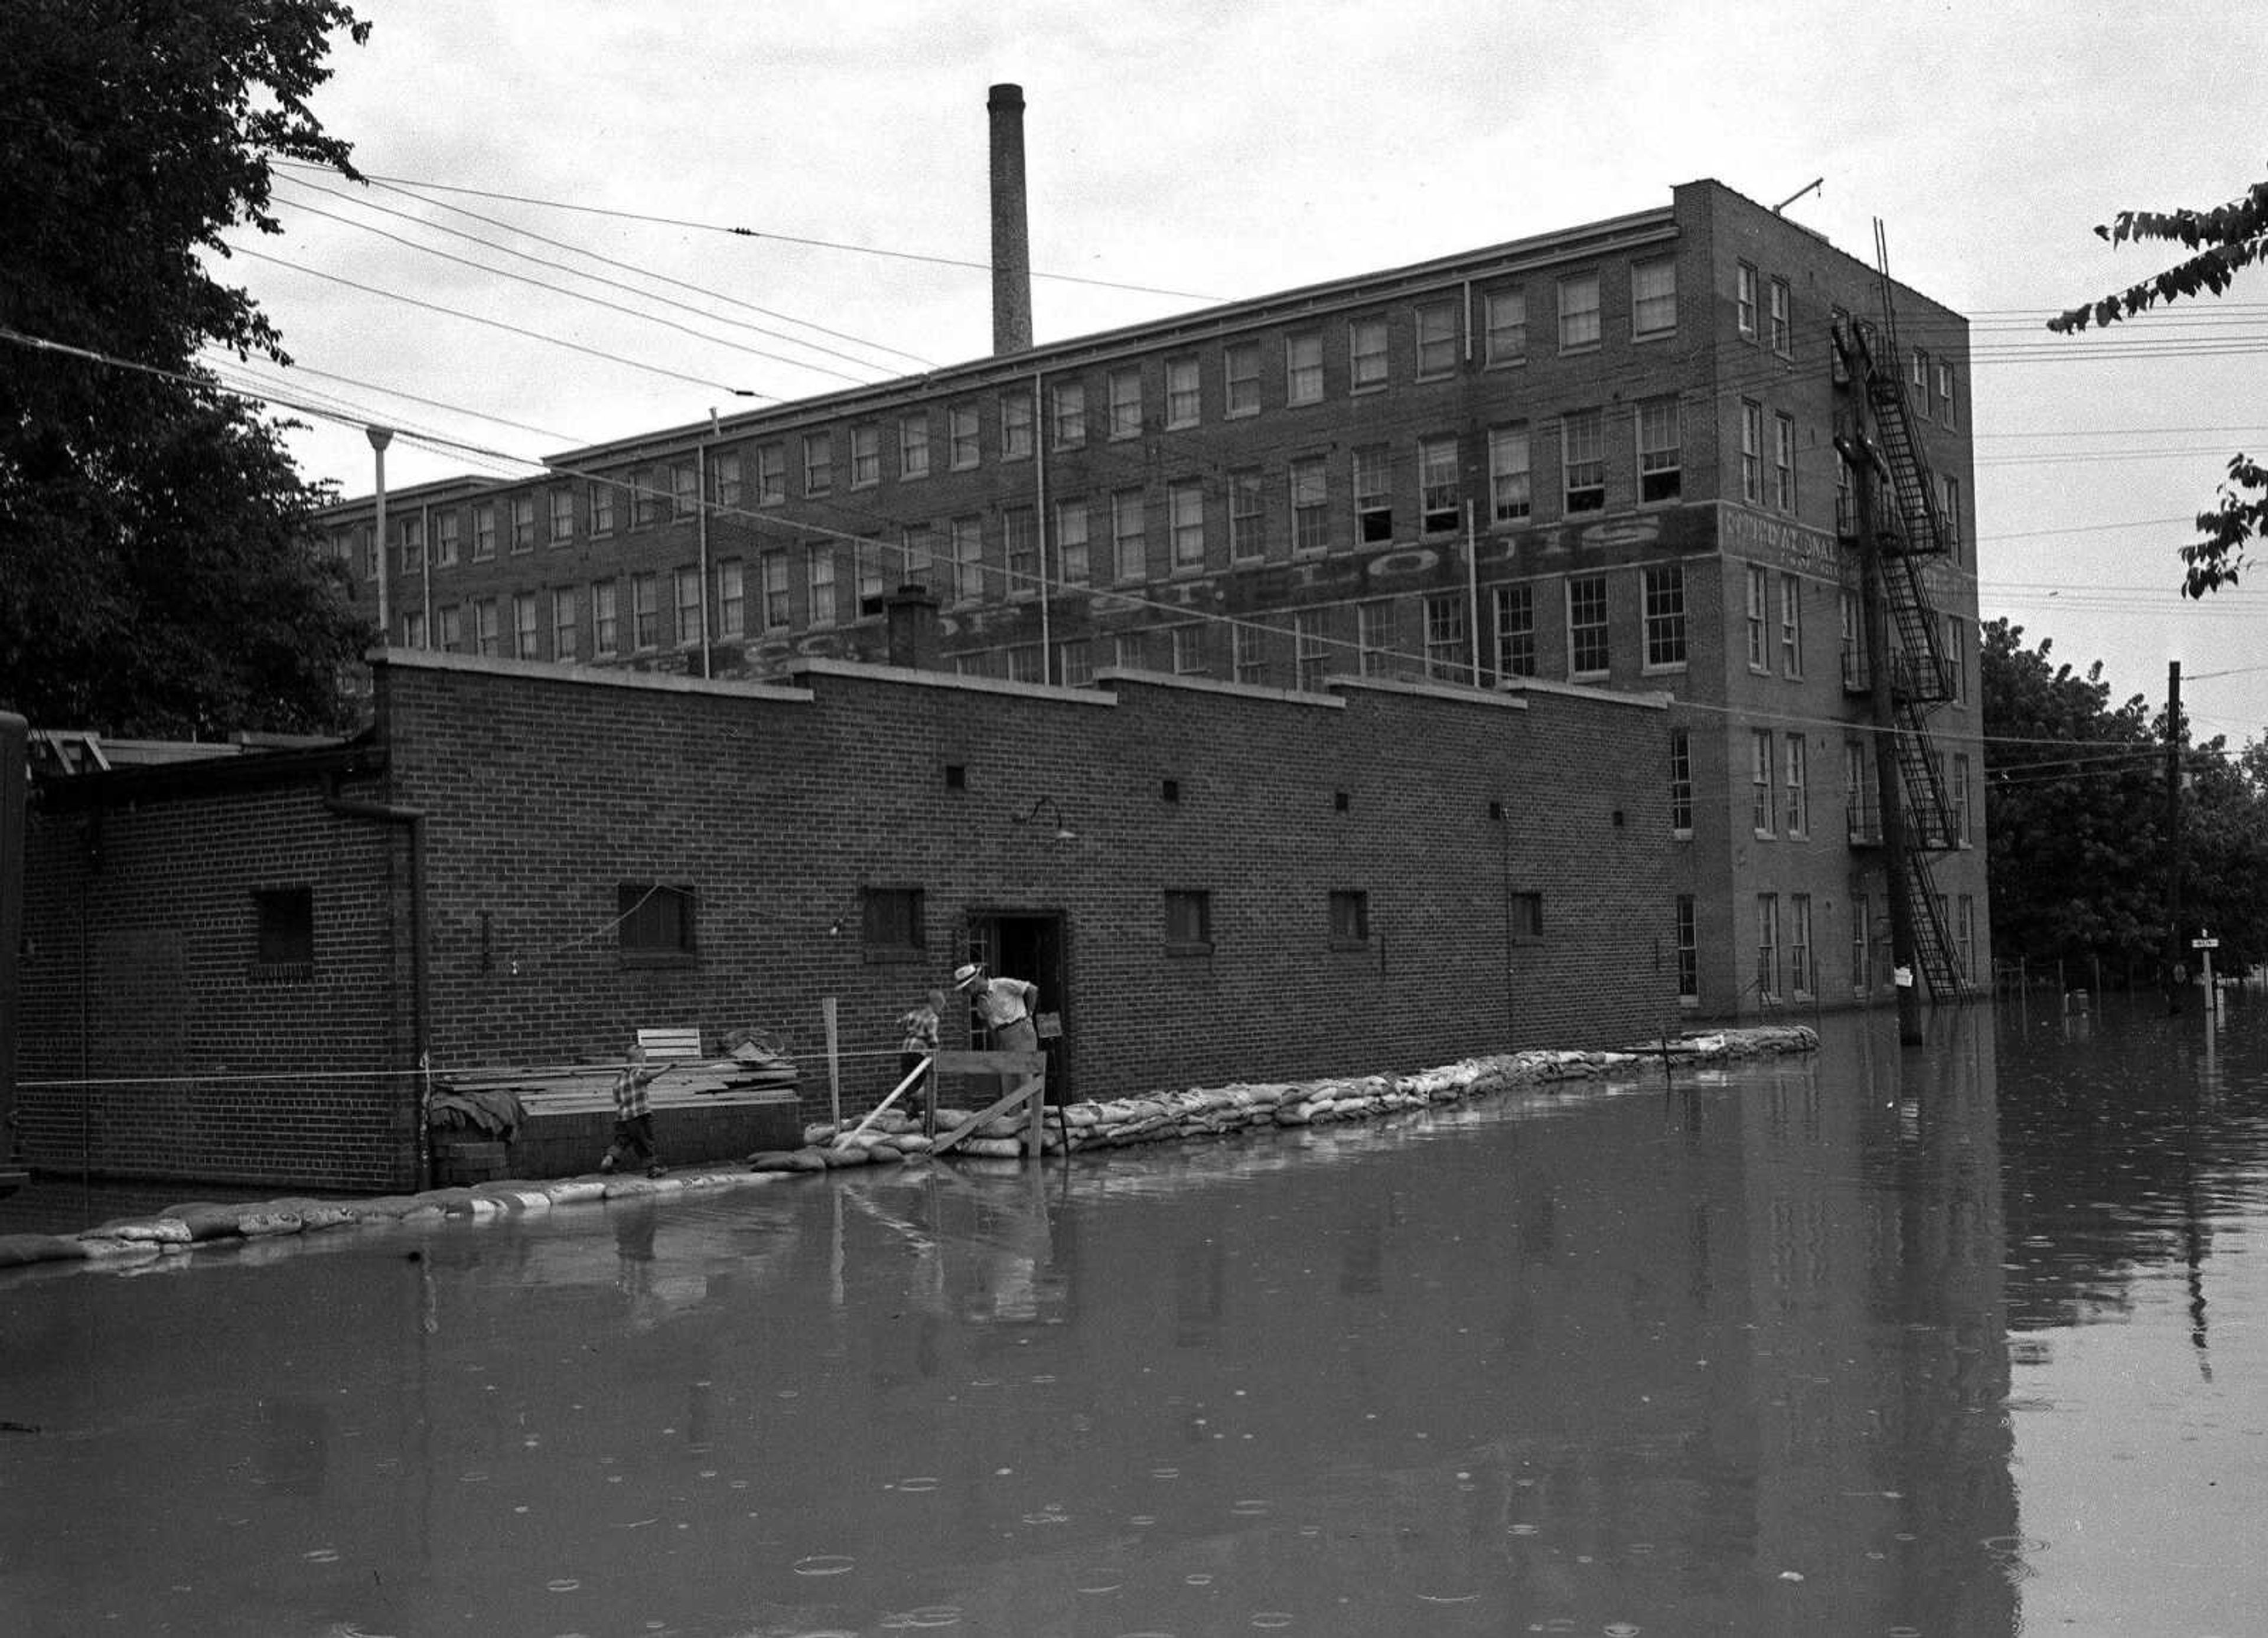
x,y
2075,817
158,570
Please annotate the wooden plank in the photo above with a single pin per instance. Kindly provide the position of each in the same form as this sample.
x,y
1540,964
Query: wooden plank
x,y
1035,1088
672,1042
990,1062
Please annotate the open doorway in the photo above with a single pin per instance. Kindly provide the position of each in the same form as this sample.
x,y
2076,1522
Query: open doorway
x,y
1028,944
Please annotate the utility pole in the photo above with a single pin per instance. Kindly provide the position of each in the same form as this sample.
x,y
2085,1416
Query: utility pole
x,y
2173,962
380,438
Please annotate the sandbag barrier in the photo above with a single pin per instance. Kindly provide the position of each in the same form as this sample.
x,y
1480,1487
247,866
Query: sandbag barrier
x,y
1122,1122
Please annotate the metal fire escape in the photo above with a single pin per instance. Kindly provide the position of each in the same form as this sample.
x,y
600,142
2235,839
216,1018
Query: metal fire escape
x,y
1887,452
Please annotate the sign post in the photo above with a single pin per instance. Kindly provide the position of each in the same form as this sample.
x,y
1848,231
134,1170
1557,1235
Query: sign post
x,y
2207,944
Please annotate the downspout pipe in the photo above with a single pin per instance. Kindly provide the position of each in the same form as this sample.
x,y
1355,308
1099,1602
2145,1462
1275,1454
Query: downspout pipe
x,y
414,820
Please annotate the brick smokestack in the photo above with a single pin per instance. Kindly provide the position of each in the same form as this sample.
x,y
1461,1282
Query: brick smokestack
x,y
1011,249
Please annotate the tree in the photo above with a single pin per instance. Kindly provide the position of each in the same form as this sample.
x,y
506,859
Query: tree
x,y
2220,241
158,571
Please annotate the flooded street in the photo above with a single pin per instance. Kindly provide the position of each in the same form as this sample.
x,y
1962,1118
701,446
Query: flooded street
x,y
1958,1341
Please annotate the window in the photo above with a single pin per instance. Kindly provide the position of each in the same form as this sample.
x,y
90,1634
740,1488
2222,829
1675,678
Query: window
x,y
961,436
1578,312
410,540
1854,640
284,932
1759,606
1189,657
1515,631
1790,626
890,923
1440,501
1506,314
732,600
1437,339
1956,657
1244,508
646,496
450,633
1126,403
1247,645
1586,626
777,612
1016,426
913,446
1511,499
1745,301
1181,392
1948,512
525,642
1074,663
1070,418
1020,535
1070,541
564,624
1349,917
820,577
1130,544
684,489
1128,652
1374,494
866,560
967,543
1961,837
1024,663
654,922
413,628
484,532
771,475
1665,616
1945,395
818,462
1752,452
562,515
1366,352
688,606
1760,781
1783,328
1688,952
1862,818
1799,943
445,541
1239,376
523,523
1185,520
1654,298
1526,910
1303,368
601,492
645,611
1309,651
1797,789
865,457
1918,378
485,635
725,478
606,636
1862,976
1311,525
1658,478
1964,936
1189,922
1582,447
1447,653
1767,945
1680,782
1373,636
1783,462
914,554
1847,501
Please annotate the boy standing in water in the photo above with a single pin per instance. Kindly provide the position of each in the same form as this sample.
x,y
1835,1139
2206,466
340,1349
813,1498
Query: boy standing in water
x,y
634,1117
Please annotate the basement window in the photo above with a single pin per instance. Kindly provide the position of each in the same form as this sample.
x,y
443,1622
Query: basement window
x,y
654,922
283,948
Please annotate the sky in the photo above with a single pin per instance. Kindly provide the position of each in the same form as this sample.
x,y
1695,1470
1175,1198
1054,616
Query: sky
x,y
1186,151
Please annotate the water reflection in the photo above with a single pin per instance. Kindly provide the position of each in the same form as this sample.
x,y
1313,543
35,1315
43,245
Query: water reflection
x,y
1734,1355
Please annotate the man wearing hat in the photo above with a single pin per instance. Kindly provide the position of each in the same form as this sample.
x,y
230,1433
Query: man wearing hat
x,y
1006,1004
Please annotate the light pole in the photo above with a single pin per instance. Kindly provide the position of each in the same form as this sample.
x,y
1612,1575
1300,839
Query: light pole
x,y
380,438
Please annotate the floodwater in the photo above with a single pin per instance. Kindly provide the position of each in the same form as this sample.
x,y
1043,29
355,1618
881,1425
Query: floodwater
x,y
1966,1339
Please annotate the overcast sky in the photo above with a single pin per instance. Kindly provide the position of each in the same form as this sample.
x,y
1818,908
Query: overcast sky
x,y
1207,150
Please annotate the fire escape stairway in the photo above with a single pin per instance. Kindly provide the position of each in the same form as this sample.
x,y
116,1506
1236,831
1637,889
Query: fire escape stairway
x,y
1920,677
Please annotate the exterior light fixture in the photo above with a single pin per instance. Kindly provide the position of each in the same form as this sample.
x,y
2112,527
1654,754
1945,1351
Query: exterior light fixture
x,y
1045,805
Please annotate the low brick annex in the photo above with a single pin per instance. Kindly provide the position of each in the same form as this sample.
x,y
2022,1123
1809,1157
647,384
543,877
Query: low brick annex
x,y
235,967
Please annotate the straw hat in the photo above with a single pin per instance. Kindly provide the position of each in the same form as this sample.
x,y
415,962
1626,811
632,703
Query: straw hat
x,y
966,976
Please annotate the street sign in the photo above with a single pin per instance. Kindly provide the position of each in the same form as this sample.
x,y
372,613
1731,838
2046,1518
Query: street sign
x,y
2205,943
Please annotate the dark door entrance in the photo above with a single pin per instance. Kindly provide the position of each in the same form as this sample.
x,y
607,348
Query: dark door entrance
x,y
1028,944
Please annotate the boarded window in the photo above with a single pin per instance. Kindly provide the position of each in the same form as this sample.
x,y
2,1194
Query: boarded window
x,y
656,921
890,921
284,941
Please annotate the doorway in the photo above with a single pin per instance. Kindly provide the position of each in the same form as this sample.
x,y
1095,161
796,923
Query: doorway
x,y
1029,945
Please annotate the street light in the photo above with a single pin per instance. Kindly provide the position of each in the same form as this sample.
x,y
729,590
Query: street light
x,y
380,438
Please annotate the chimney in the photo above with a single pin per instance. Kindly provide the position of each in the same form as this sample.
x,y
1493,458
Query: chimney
x,y
910,622
1011,249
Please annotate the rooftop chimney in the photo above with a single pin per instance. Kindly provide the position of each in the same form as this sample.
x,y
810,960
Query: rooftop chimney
x,y
1011,249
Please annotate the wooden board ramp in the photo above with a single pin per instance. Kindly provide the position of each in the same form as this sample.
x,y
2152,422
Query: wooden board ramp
x,y
1030,1090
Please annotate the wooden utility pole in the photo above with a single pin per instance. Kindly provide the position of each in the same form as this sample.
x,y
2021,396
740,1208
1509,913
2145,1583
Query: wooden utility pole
x,y
2174,958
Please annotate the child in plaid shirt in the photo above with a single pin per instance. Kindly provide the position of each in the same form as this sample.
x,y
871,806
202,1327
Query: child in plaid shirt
x,y
634,1117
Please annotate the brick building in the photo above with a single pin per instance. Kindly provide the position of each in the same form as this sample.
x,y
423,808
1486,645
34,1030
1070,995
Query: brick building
x,y
1613,456
236,964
